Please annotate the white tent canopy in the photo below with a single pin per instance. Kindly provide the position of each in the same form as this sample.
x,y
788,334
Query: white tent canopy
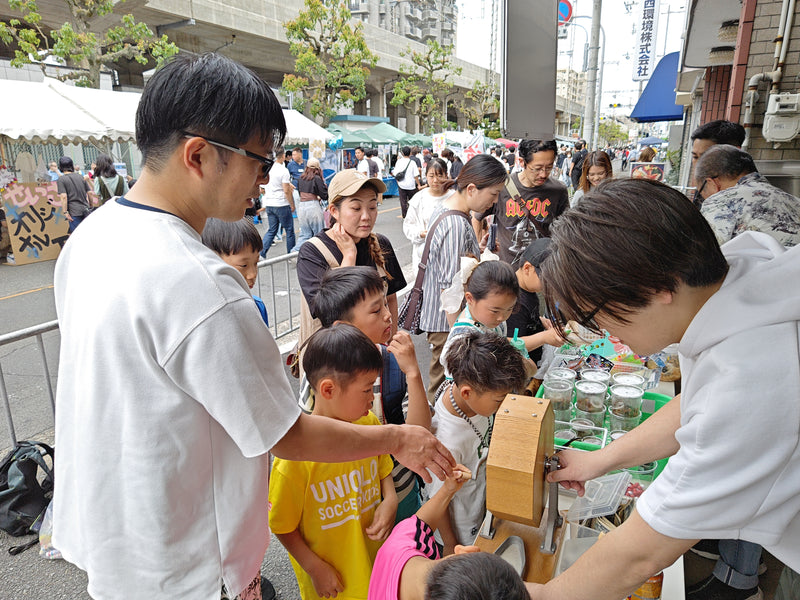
x,y
52,111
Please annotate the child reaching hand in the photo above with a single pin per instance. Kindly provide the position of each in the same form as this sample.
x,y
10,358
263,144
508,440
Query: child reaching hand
x,y
357,295
409,565
485,367
332,518
238,243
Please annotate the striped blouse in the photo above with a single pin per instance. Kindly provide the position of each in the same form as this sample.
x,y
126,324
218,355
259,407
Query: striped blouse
x,y
452,239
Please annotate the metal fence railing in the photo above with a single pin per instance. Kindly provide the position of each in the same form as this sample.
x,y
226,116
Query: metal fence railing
x,y
276,285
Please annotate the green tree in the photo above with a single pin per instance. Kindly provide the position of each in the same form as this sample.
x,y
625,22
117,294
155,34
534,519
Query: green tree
x,y
332,58
80,43
423,87
611,131
478,102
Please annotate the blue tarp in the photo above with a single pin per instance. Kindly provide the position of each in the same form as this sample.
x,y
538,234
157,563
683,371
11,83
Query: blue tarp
x,y
657,102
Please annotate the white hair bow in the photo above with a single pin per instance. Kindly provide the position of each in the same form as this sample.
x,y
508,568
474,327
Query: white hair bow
x,y
453,297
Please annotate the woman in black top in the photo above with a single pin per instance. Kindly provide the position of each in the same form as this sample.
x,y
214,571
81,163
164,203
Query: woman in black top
x,y
313,193
351,241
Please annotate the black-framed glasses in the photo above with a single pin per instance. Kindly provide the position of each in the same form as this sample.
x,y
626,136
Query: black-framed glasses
x,y
588,319
266,162
702,187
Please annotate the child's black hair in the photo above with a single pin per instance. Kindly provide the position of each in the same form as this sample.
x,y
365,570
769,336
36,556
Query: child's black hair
x,y
474,576
486,361
230,237
339,352
342,289
492,276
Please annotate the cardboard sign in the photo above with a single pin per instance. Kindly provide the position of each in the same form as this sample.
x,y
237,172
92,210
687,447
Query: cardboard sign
x,y
648,170
36,221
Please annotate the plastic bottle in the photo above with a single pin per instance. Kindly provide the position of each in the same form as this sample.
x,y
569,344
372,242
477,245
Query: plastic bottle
x,y
519,344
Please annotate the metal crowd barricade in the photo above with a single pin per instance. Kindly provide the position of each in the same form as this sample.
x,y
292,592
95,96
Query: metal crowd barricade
x,y
283,307
16,336
286,321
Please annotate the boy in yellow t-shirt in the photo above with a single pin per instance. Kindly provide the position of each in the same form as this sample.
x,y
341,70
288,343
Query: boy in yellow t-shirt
x,y
332,518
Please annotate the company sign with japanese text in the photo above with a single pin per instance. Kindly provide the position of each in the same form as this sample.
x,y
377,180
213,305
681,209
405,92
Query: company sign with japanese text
x,y
645,39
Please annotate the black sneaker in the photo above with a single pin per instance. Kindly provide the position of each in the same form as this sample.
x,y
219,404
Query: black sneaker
x,y
707,549
713,589
267,589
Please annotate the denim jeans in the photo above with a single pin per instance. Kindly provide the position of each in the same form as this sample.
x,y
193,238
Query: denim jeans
x,y
73,225
738,563
278,216
311,219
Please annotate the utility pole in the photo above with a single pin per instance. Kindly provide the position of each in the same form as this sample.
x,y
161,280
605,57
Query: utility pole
x,y
591,84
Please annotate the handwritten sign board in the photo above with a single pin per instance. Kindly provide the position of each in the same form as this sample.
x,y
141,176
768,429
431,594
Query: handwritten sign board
x,y
36,221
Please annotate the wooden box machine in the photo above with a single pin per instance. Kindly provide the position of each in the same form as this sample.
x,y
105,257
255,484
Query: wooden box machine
x,y
520,455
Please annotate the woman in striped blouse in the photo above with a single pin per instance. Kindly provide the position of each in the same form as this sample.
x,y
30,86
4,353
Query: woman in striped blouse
x,y
477,188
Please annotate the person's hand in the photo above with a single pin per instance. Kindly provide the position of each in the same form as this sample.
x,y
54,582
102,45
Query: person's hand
x,y
576,469
382,521
421,452
456,481
68,216
552,338
327,581
423,233
402,347
343,240
484,242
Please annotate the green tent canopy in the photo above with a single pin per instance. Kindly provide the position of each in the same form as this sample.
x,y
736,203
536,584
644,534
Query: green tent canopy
x,y
351,139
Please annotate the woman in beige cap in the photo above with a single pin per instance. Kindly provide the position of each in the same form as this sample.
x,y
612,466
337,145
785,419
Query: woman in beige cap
x,y
350,241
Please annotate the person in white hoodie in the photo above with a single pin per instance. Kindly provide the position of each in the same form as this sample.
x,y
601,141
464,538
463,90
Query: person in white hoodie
x,y
638,260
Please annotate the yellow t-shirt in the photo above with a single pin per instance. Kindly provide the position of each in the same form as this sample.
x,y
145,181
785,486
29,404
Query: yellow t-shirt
x,y
331,505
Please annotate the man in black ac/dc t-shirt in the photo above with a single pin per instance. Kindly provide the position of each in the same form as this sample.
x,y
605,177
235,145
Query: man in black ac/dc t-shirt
x,y
541,200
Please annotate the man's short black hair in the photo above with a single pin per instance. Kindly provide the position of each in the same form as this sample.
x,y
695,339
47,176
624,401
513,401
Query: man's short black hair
x,y
207,95
527,148
720,132
231,237
65,164
297,149
406,150
642,235
357,148
342,289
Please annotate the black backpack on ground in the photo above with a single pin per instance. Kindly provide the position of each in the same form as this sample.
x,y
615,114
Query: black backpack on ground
x,y
23,496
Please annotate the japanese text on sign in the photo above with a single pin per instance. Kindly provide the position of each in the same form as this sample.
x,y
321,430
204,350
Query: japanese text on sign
x,y
645,40
36,221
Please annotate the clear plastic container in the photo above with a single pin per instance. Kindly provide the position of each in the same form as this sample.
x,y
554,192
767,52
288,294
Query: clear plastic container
x,y
596,375
626,399
590,396
602,497
628,379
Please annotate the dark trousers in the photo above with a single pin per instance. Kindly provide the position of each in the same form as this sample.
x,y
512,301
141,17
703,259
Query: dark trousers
x,y
405,196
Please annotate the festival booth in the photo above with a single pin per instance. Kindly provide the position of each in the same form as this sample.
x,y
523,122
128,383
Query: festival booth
x,y
41,120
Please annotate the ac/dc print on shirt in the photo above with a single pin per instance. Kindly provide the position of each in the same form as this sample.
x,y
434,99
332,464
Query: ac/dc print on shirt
x,y
528,217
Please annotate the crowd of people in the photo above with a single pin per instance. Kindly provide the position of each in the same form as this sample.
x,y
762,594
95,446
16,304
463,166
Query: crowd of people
x,y
168,367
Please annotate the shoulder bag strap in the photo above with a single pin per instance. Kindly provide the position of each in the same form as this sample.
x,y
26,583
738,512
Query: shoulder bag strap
x,y
423,261
513,191
326,253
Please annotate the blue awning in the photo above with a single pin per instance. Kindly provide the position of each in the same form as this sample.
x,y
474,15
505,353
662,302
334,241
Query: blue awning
x,y
657,102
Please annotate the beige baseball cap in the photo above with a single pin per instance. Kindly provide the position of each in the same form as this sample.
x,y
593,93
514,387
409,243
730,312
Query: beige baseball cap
x,y
349,181
313,162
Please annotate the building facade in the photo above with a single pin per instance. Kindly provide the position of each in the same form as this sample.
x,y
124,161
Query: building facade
x,y
418,20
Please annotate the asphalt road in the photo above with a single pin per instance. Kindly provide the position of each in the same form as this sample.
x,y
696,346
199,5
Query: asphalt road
x,y
26,299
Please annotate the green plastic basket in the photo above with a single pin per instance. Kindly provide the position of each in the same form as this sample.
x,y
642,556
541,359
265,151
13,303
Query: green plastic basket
x,y
651,402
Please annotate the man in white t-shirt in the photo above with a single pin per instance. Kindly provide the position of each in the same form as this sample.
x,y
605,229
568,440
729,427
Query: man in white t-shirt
x,y
171,392
733,434
278,202
409,182
363,162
